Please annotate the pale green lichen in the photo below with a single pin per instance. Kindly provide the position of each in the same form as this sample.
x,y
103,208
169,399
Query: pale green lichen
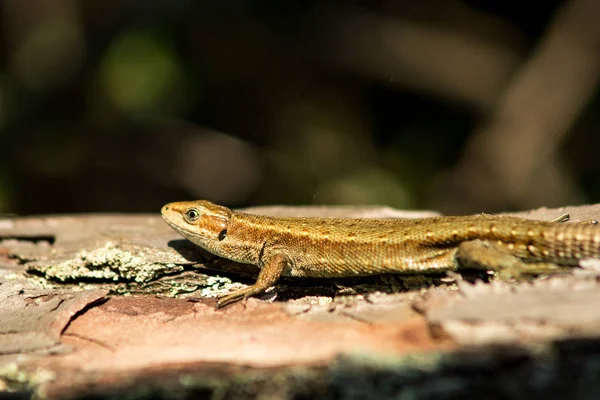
x,y
13,378
178,286
216,285
107,263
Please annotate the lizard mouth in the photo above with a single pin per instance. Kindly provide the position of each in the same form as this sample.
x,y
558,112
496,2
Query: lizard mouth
x,y
170,223
169,219
172,219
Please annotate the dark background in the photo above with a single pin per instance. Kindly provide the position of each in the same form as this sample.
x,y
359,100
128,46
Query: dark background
x,y
461,106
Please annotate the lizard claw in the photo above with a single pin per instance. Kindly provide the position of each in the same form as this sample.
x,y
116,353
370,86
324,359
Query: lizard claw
x,y
228,299
241,294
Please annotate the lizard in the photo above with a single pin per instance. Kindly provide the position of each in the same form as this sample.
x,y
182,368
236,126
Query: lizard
x,y
346,247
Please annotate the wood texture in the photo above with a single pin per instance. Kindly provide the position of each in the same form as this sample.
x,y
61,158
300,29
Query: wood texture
x,y
71,327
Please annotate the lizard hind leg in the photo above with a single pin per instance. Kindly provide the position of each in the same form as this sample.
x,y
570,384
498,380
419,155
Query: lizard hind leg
x,y
482,254
267,278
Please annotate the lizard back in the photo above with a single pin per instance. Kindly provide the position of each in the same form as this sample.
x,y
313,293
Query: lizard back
x,y
324,247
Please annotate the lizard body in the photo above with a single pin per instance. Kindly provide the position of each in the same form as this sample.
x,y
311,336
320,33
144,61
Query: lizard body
x,y
345,247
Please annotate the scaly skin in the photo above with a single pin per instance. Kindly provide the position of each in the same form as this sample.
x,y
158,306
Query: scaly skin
x,y
344,247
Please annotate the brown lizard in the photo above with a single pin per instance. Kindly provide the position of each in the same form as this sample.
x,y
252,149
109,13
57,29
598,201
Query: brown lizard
x,y
345,247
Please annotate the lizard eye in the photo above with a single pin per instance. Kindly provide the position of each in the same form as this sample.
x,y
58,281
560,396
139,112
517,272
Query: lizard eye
x,y
192,215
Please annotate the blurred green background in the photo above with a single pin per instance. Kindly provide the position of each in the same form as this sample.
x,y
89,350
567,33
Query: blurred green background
x,y
461,106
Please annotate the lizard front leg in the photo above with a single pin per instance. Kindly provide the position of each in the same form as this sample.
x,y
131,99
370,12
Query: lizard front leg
x,y
268,277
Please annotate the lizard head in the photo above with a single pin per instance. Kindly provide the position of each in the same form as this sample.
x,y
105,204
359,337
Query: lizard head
x,y
201,221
